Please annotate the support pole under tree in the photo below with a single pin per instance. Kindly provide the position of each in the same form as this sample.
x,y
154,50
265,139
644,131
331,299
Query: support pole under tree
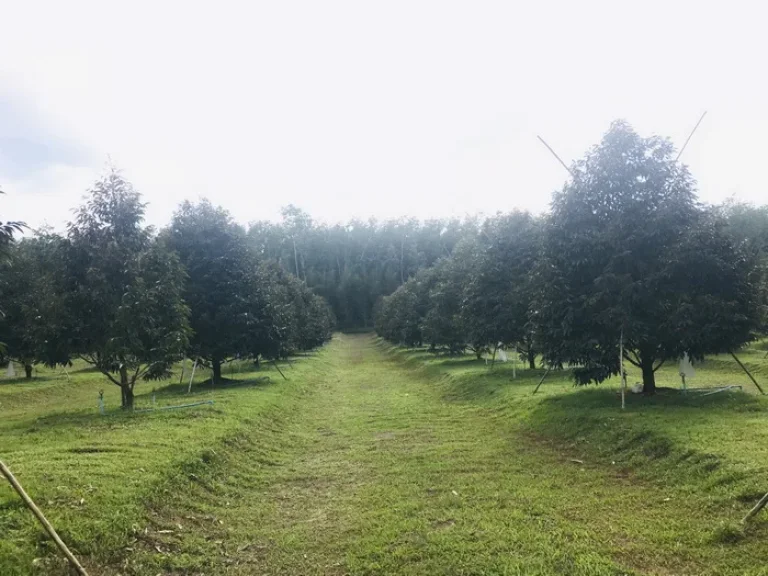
x,y
542,380
278,369
621,369
759,506
747,372
194,367
42,519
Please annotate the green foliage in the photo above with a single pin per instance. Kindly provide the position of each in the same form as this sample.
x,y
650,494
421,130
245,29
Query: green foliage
x,y
225,288
399,316
32,307
748,227
499,288
442,324
7,231
122,290
242,306
480,297
627,248
353,265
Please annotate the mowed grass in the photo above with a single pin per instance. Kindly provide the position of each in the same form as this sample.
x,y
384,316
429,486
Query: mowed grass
x,y
377,460
93,474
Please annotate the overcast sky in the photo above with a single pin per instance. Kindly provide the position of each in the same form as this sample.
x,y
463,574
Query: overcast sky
x,y
367,108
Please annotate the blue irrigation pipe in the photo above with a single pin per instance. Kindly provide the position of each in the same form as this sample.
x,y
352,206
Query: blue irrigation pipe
x,y
175,407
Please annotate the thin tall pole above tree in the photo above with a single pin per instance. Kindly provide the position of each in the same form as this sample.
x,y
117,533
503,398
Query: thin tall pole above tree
x,y
690,136
556,156
402,248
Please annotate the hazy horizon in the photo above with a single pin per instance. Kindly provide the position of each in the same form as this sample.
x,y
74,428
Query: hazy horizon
x,y
349,110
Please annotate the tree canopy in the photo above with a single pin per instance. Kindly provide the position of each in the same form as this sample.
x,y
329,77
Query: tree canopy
x,y
123,290
627,254
629,251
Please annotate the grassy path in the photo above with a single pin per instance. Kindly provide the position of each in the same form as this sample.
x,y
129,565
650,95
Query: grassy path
x,y
377,472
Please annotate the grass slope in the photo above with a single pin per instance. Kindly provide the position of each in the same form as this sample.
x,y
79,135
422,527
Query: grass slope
x,y
373,460
92,474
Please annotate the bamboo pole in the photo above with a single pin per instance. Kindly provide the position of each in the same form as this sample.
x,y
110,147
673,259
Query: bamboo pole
x,y
621,369
39,515
748,373
759,506
278,369
194,367
690,136
556,156
542,380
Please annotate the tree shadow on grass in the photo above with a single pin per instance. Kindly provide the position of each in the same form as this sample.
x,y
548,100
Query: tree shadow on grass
x,y
179,391
114,416
600,397
462,382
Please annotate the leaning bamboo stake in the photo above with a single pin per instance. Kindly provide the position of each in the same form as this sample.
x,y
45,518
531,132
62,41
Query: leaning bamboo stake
x,y
748,373
621,370
194,367
542,380
278,369
36,511
759,506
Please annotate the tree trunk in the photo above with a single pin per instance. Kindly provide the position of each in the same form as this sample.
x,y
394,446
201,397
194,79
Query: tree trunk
x,y
649,376
479,354
216,365
531,359
125,389
28,371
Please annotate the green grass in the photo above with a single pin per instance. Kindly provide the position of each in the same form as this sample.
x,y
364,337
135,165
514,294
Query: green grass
x,y
376,460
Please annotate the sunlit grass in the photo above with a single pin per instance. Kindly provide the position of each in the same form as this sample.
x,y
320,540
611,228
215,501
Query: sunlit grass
x,y
377,460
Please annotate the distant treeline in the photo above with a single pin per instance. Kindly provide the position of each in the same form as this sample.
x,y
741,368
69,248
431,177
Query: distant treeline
x,y
353,265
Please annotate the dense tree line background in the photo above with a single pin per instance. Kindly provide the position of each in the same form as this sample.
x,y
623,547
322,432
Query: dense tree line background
x,y
352,265
627,254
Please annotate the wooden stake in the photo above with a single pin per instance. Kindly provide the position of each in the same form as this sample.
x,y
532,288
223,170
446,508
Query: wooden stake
x,y
542,380
39,515
621,368
194,367
278,369
759,506
748,373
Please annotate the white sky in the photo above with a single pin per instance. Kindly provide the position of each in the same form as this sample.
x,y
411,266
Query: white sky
x,y
366,108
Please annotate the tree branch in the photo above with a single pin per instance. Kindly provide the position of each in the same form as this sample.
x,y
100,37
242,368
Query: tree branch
x,y
659,365
135,376
628,359
108,375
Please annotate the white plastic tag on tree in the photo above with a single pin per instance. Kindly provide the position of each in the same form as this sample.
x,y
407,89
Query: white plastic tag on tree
x,y
686,368
11,372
